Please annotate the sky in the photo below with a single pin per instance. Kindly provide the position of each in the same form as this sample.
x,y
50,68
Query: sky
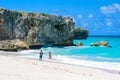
x,y
99,17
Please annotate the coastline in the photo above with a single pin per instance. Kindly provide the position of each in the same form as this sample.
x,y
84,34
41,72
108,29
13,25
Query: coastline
x,y
14,67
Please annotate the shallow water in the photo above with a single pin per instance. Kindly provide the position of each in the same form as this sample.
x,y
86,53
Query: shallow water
x,y
99,57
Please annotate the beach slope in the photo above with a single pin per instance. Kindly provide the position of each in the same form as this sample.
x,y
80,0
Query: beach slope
x,y
16,68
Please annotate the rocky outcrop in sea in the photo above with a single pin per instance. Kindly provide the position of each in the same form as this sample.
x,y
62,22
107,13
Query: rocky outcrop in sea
x,y
101,43
80,33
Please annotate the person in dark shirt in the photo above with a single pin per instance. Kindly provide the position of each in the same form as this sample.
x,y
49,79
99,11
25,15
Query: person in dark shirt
x,y
41,55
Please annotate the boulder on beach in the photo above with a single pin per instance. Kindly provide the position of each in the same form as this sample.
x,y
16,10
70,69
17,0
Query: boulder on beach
x,y
13,45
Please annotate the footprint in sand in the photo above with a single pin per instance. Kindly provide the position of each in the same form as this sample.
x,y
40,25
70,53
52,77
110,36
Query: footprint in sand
x,y
34,63
90,75
83,74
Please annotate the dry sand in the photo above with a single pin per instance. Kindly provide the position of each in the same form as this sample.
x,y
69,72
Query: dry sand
x,y
16,68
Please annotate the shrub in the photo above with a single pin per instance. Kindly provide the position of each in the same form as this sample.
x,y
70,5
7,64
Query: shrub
x,y
1,9
24,14
43,14
35,14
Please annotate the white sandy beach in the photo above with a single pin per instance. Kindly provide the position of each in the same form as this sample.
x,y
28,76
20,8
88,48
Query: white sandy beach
x,y
16,68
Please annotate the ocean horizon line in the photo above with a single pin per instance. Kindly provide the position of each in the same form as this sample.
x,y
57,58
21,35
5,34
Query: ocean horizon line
x,y
103,35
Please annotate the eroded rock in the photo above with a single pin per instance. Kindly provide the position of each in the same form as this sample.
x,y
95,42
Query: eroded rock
x,y
13,45
36,28
79,44
102,43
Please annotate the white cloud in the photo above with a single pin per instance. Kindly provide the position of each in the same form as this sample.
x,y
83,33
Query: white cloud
x,y
80,16
90,15
110,9
107,9
117,6
109,24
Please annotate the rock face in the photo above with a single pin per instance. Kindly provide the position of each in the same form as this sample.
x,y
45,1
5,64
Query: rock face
x,y
80,33
36,28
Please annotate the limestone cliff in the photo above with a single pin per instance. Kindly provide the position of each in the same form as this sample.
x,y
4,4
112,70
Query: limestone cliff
x,y
36,28
80,33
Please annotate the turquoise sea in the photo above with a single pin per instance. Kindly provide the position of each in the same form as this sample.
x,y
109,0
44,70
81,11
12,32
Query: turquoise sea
x,y
98,57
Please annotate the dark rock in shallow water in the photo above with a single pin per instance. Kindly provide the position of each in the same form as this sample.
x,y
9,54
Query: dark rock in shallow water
x,y
35,46
36,28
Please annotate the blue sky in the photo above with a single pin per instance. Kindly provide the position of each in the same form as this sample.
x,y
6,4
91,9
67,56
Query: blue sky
x,y
100,17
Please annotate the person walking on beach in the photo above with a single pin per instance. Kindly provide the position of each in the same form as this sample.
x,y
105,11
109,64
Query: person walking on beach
x,y
50,55
41,55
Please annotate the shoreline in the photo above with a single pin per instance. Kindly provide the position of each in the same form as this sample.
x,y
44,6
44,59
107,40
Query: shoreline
x,y
106,70
12,66
14,54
